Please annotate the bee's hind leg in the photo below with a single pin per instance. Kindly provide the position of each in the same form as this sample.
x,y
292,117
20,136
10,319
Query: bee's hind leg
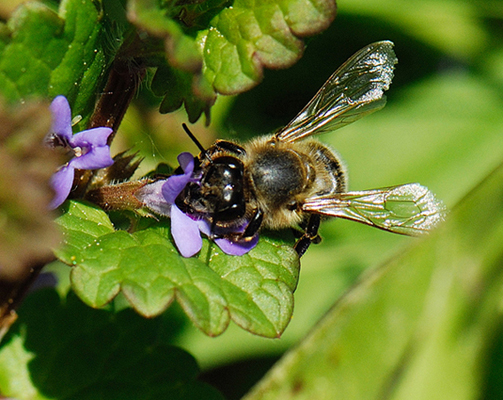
x,y
310,235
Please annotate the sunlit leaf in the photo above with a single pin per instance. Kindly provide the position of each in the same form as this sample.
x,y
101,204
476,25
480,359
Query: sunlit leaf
x,y
222,47
254,290
248,36
44,53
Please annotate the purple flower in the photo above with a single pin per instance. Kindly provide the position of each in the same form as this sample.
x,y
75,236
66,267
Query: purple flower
x,y
185,228
89,148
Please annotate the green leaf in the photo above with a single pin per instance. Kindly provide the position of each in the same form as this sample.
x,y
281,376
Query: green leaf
x,y
217,49
254,290
64,350
250,35
177,88
43,53
420,327
178,80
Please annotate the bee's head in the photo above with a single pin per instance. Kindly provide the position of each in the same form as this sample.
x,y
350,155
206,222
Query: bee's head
x,y
222,185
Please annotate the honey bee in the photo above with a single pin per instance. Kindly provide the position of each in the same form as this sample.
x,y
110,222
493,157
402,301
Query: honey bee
x,y
288,179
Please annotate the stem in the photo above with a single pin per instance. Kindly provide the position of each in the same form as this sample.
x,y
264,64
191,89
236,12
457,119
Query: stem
x,y
13,292
123,82
117,197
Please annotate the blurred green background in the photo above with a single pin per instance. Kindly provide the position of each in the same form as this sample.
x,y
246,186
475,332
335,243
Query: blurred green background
x,y
442,127
405,318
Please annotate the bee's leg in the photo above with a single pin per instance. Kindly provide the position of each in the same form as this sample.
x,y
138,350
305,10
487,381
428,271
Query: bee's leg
x,y
254,224
310,235
250,231
230,147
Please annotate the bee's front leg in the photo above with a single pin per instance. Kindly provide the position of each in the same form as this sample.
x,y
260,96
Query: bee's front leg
x,y
254,225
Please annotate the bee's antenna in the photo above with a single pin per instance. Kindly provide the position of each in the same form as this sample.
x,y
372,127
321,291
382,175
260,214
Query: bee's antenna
x,y
196,142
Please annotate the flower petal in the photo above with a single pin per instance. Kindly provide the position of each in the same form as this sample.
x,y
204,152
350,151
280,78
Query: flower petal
x,y
175,183
236,248
61,182
44,280
204,226
233,248
95,137
186,161
61,117
185,233
173,186
151,196
98,157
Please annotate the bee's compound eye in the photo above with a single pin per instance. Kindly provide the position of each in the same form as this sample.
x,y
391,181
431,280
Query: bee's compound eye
x,y
224,180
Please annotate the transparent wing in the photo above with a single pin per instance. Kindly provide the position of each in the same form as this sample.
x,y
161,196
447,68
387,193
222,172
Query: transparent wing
x,y
407,209
354,90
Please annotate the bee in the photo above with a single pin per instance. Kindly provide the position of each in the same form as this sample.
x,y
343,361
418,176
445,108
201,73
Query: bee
x,y
289,179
